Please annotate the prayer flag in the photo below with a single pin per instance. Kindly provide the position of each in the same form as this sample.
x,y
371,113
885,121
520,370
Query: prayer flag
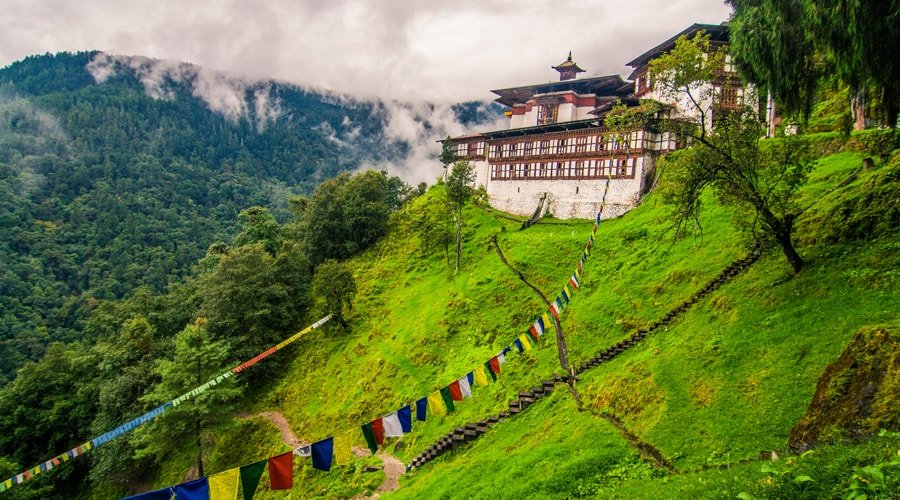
x,y
250,475
470,378
568,290
554,310
448,399
455,391
518,344
480,378
405,416
378,431
422,409
502,355
281,471
342,448
546,320
574,281
525,343
392,426
322,453
161,494
465,388
303,451
436,404
224,485
533,336
495,367
489,368
564,295
369,434
198,489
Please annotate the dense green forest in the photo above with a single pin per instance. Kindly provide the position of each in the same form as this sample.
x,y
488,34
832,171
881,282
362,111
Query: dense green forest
x,y
106,189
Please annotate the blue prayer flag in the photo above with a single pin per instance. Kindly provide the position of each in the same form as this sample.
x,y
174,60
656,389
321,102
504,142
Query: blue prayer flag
x,y
322,452
405,416
421,409
197,489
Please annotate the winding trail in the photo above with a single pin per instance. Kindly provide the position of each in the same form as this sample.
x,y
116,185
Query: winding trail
x,y
393,467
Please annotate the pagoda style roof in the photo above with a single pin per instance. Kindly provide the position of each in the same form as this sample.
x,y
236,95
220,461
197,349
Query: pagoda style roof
x,y
600,85
717,33
568,65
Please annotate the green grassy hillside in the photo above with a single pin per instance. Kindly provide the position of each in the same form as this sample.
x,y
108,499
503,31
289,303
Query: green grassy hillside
x,y
726,380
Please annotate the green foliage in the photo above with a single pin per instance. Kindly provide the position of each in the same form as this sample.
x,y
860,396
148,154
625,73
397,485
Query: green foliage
x,y
348,214
252,299
333,284
788,46
104,189
259,226
198,357
685,73
458,187
759,181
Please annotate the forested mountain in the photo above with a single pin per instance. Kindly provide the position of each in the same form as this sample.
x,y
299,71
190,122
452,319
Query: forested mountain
x,y
119,172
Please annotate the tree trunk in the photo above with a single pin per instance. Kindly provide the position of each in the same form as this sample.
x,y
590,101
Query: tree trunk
x,y
858,109
560,336
199,450
784,239
458,237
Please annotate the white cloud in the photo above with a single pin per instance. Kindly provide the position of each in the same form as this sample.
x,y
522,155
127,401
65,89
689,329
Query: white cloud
x,y
425,50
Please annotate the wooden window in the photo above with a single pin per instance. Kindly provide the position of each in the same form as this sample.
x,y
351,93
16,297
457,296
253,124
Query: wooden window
x,y
547,114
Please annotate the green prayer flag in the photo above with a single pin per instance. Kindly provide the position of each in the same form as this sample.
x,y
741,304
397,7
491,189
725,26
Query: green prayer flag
x,y
487,368
448,399
250,476
370,437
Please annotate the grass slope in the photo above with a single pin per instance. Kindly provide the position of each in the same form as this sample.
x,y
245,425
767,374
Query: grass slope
x,y
728,379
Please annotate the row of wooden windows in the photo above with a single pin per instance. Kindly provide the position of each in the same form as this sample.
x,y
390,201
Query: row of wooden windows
x,y
587,169
574,145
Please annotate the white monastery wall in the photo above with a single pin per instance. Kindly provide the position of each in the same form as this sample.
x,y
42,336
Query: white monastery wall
x,y
568,199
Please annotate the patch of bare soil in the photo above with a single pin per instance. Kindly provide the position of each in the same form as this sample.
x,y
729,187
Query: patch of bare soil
x,y
856,395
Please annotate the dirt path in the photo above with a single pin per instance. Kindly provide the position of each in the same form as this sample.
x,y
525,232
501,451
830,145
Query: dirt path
x,y
393,468
284,428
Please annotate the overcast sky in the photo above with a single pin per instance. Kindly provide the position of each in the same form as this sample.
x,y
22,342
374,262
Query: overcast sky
x,y
441,50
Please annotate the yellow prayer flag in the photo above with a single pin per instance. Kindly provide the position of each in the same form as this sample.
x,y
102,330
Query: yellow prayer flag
x,y
342,444
224,485
436,404
547,322
525,343
480,378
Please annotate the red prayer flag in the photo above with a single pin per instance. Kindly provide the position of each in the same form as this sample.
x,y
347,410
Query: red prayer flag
x,y
455,391
281,471
378,430
534,335
495,365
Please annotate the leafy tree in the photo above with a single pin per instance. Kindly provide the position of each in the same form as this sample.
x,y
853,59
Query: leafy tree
x,y
459,192
760,181
447,157
198,358
333,283
348,214
49,405
259,226
252,299
787,46
125,371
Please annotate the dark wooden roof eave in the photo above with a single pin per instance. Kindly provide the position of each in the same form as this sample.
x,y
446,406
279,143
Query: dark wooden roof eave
x,y
542,129
718,32
518,95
